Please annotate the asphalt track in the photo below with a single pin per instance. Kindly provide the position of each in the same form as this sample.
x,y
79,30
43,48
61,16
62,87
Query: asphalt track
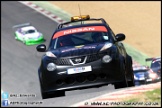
x,y
20,63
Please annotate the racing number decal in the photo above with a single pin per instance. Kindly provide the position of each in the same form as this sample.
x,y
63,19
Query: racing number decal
x,y
80,29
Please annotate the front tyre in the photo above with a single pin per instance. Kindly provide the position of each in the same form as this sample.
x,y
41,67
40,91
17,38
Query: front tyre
x,y
130,71
131,83
124,83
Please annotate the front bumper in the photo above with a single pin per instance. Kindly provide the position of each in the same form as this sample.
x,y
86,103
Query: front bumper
x,y
147,81
35,41
101,74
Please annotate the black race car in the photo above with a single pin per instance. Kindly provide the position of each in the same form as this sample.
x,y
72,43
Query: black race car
x,y
83,53
155,65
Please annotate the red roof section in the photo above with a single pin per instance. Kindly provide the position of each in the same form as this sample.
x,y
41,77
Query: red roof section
x,y
80,29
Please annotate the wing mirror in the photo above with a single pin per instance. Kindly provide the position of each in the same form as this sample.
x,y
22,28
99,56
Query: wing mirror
x,y
120,37
41,48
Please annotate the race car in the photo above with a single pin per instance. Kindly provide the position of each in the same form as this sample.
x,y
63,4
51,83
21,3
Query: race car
x,y
83,55
155,65
28,34
144,75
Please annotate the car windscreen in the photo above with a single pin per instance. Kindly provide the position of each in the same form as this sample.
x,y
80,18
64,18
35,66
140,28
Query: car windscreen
x,y
156,64
30,31
82,38
139,71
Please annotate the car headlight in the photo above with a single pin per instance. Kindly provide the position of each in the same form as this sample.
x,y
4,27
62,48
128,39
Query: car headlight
x,y
51,67
106,46
106,59
135,77
50,54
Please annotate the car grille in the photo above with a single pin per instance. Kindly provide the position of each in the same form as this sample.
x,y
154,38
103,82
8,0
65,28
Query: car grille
x,y
90,58
82,58
62,61
94,57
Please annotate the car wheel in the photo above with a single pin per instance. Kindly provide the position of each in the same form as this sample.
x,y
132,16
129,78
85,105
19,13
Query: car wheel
x,y
130,71
124,83
131,83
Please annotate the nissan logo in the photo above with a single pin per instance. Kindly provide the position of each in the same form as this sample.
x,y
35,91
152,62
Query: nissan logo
x,y
78,60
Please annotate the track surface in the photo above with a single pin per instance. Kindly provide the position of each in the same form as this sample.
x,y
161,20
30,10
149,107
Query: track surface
x,y
20,62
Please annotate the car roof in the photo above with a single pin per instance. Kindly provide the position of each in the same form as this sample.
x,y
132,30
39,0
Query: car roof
x,y
81,22
156,60
80,25
79,28
27,28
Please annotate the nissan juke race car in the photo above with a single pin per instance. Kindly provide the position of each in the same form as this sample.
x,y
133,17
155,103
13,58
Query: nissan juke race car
x,y
28,34
85,54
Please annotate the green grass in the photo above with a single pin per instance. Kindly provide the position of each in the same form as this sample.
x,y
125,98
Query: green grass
x,y
154,95
149,98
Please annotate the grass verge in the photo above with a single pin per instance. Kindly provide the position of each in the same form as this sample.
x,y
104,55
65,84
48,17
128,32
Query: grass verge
x,y
145,99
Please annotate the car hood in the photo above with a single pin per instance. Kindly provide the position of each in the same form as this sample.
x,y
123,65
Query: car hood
x,y
78,50
140,74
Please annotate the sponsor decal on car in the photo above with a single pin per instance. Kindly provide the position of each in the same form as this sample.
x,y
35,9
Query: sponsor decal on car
x,y
72,49
80,29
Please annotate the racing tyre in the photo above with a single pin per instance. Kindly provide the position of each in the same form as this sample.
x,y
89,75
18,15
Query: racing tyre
x,y
124,83
130,71
131,83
